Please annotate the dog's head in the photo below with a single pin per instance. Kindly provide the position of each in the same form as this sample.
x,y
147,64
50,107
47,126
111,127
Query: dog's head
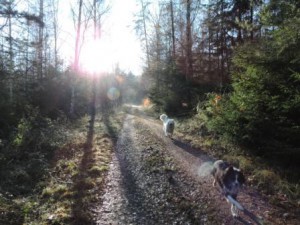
x,y
229,178
234,176
233,179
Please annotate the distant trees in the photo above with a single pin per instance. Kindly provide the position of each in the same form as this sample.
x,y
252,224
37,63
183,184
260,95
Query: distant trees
x,y
201,36
29,50
229,24
244,50
173,48
11,45
32,76
87,21
263,105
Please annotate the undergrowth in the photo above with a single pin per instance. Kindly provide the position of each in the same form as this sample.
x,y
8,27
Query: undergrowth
x,y
268,175
56,178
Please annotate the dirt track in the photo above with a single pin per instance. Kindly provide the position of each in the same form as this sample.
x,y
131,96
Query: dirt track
x,y
156,180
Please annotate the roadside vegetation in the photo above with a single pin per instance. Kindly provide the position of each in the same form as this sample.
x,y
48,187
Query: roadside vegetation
x,y
60,182
64,187
77,175
252,120
53,162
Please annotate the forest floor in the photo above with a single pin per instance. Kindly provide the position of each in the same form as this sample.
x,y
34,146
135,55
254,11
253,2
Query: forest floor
x,y
155,180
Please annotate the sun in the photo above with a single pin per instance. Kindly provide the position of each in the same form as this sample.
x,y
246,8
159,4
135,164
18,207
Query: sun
x,y
96,57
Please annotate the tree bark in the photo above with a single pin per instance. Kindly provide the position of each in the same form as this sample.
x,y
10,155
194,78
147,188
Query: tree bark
x,y
251,20
145,33
173,30
76,57
41,41
93,106
11,56
189,60
55,32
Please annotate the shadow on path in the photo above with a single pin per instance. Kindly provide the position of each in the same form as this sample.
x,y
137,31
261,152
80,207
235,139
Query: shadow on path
x,y
81,185
134,195
112,131
193,151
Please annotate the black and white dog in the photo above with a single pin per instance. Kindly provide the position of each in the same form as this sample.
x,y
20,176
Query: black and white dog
x,y
168,125
230,180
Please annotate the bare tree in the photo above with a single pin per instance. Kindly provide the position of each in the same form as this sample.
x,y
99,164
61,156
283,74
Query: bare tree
x,y
173,29
11,56
88,12
189,57
76,55
141,27
55,27
78,35
40,45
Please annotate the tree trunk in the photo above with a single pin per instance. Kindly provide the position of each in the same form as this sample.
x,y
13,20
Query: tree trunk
x,y
189,60
223,43
173,30
55,33
76,57
251,21
77,41
145,33
157,31
11,57
93,106
40,44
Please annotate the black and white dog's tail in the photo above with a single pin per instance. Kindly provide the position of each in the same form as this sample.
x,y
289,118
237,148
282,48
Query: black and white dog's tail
x,y
163,117
206,169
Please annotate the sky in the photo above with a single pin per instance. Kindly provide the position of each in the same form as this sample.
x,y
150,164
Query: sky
x,y
118,42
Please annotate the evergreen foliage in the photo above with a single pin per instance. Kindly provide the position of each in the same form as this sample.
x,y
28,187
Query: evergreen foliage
x,y
170,91
265,102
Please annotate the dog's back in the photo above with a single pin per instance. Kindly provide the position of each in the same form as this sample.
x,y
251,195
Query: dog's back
x,y
220,166
170,126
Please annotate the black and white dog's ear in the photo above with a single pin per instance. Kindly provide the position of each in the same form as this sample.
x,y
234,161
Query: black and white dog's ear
x,y
241,178
229,170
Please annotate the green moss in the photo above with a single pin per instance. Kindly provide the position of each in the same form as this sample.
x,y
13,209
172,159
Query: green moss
x,y
57,190
267,180
98,170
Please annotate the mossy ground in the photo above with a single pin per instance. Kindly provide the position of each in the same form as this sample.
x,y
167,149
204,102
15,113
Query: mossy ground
x,y
74,178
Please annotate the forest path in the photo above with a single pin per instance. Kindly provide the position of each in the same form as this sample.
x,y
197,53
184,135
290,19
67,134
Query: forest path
x,y
156,180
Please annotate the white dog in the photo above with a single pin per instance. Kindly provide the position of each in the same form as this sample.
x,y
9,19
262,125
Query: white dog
x,y
168,125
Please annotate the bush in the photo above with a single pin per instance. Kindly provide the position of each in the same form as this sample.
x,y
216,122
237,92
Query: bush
x,y
27,153
266,180
265,102
173,94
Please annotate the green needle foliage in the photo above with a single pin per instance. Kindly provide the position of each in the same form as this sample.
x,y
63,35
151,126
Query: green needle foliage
x,y
264,107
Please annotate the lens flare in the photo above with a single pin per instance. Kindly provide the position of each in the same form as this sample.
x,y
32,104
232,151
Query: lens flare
x,y
120,79
146,102
113,93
